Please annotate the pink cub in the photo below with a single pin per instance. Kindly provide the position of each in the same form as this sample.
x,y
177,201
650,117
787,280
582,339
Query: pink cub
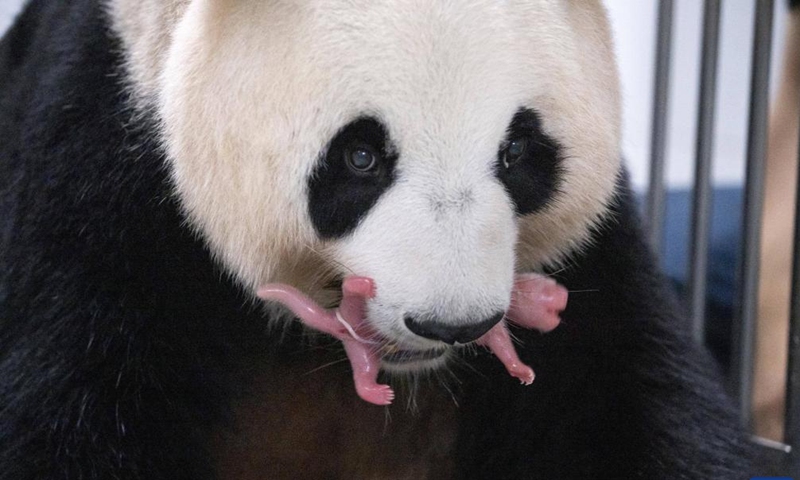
x,y
346,324
536,302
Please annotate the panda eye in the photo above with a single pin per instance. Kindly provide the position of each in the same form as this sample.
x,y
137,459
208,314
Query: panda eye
x,y
514,151
362,158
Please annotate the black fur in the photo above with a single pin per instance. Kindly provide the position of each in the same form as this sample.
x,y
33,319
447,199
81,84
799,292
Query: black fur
x,y
116,331
533,179
621,390
121,344
339,197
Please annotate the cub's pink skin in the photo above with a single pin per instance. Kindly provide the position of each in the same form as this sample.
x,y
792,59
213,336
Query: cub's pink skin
x,y
499,342
536,302
350,330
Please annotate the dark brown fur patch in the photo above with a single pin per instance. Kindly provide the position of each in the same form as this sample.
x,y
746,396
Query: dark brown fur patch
x,y
297,422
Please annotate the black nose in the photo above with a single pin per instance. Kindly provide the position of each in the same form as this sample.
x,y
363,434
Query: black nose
x,y
448,333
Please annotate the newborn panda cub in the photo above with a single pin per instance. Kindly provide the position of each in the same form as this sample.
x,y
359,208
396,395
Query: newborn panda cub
x,y
535,303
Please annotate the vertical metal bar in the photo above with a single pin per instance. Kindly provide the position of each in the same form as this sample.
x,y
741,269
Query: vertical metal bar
x,y
792,426
656,194
701,206
753,204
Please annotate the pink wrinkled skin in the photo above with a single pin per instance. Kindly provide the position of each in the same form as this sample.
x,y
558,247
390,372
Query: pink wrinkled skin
x,y
536,302
363,359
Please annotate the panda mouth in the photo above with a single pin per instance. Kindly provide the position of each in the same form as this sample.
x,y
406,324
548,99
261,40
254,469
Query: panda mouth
x,y
536,303
397,356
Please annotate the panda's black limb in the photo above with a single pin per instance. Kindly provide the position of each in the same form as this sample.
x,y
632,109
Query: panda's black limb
x,y
116,333
122,346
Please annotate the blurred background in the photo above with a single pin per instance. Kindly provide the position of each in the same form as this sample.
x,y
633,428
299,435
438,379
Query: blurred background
x,y
634,23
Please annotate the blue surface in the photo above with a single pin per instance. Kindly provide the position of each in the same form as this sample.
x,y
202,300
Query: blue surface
x,y
724,252
724,245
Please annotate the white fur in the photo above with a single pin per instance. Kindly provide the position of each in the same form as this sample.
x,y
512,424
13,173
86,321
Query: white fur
x,y
249,93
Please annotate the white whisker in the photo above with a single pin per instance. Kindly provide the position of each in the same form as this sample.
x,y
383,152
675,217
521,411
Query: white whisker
x,y
329,364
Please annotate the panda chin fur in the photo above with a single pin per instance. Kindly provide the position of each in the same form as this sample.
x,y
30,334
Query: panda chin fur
x,y
161,159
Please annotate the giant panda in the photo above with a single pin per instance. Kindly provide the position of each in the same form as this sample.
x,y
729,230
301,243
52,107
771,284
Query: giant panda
x,y
162,159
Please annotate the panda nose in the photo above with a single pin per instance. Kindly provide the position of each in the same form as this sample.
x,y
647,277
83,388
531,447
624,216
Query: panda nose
x,y
449,333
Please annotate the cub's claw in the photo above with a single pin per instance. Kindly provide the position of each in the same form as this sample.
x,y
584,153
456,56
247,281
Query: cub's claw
x,y
377,394
523,373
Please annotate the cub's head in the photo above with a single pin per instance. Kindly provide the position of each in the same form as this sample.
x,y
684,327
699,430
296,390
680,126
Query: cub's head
x,y
434,146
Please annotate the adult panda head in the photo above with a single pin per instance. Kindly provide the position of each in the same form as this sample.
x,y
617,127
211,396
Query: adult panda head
x,y
435,147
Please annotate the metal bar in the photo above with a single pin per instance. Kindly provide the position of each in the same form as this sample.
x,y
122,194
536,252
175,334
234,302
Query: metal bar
x,y
701,205
656,193
792,425
775,457
743,348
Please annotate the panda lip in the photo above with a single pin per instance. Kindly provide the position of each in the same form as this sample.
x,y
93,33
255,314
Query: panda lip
x,y
396,355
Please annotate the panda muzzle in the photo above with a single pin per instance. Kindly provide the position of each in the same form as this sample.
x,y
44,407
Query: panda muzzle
x,y
536,302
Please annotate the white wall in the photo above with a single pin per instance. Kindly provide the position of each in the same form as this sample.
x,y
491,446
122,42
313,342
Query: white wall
x,y
634,24
8,9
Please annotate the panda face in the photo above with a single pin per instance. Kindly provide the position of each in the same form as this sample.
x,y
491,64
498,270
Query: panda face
x,y
435,147
434,229
450,225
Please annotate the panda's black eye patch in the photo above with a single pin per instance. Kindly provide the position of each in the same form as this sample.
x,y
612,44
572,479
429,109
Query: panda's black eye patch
x,y
354,171
529,163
